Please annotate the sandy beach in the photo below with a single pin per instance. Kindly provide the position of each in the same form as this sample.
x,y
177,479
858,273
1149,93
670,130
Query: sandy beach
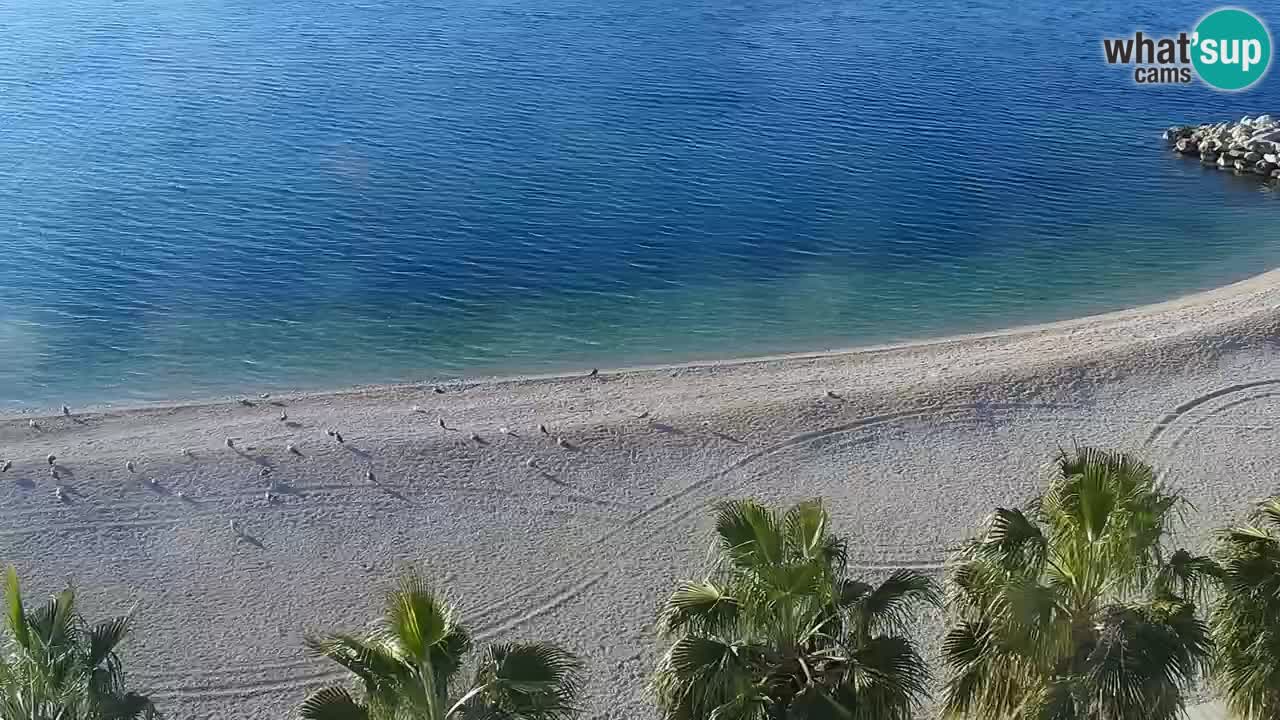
x,y
576,535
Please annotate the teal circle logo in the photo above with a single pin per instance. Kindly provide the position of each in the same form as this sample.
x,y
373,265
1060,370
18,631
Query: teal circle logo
x,y
1232,49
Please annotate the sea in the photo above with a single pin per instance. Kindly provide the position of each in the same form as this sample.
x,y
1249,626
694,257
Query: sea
x,y
211,198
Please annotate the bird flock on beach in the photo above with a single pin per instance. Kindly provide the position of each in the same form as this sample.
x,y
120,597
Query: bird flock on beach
x,y
273,487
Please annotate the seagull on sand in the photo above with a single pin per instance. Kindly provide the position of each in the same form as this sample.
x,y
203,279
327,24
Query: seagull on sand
x,y
58,493
833,394
595,372
129,465
52,458
235,526
562,442
186,452
442,425
246,402
32,424
437,389
368,475
231,443
531,463
543,428
53,471
5,467
330,432
475,437
283,416
293,449
66,411
338,436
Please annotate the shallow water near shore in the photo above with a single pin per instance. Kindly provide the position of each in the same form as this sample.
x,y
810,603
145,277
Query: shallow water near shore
x,y
211,197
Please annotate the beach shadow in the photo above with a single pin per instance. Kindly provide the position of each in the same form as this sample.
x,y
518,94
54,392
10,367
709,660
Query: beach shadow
x,y
553,478
277,403
258,459
79,421
25,483
154,486
293,425
357,451
566,445
62,471
479,440
727,437
393,493
296,452
667,429
248,403
247,538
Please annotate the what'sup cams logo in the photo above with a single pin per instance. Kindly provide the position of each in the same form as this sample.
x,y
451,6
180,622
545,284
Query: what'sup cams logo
x,y
1230,49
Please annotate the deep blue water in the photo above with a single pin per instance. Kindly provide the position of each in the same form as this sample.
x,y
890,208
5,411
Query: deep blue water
x,y
206,197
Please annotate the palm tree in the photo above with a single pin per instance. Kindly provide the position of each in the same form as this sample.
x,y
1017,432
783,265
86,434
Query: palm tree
x,y
407,666
1074,609
1246,619
57,666
778,629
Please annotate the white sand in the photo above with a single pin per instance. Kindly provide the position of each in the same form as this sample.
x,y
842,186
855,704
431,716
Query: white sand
x,y
925,440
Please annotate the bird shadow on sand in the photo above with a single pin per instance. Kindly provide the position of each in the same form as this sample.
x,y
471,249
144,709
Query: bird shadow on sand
x,y
395,494
25,483
553,478
357,451
245,537
667,429
727,437
277,403
62,472
155,487
257,459
293,425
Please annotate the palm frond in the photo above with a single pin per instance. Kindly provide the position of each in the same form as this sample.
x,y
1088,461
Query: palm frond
x,y
750,533
16,616
105,637
891,605
418,618
332,703
534,681
703,607
370,662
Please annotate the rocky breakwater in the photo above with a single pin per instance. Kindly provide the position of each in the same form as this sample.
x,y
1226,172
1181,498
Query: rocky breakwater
x,y
1251,145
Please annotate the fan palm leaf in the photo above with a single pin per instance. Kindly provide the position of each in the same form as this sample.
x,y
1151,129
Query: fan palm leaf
x,y
1075,607
778,628
407,666
1244,619
61,666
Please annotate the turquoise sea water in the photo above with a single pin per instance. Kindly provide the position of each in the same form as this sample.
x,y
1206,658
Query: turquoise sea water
x,y
208,197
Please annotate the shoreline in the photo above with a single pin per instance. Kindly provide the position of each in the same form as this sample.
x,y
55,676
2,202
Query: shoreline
x,y
1205,300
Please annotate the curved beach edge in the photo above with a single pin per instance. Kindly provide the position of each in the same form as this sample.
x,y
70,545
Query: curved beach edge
x,y
1230,317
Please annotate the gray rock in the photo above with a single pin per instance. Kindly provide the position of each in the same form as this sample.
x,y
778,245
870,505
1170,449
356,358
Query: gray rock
x,y
1187,146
